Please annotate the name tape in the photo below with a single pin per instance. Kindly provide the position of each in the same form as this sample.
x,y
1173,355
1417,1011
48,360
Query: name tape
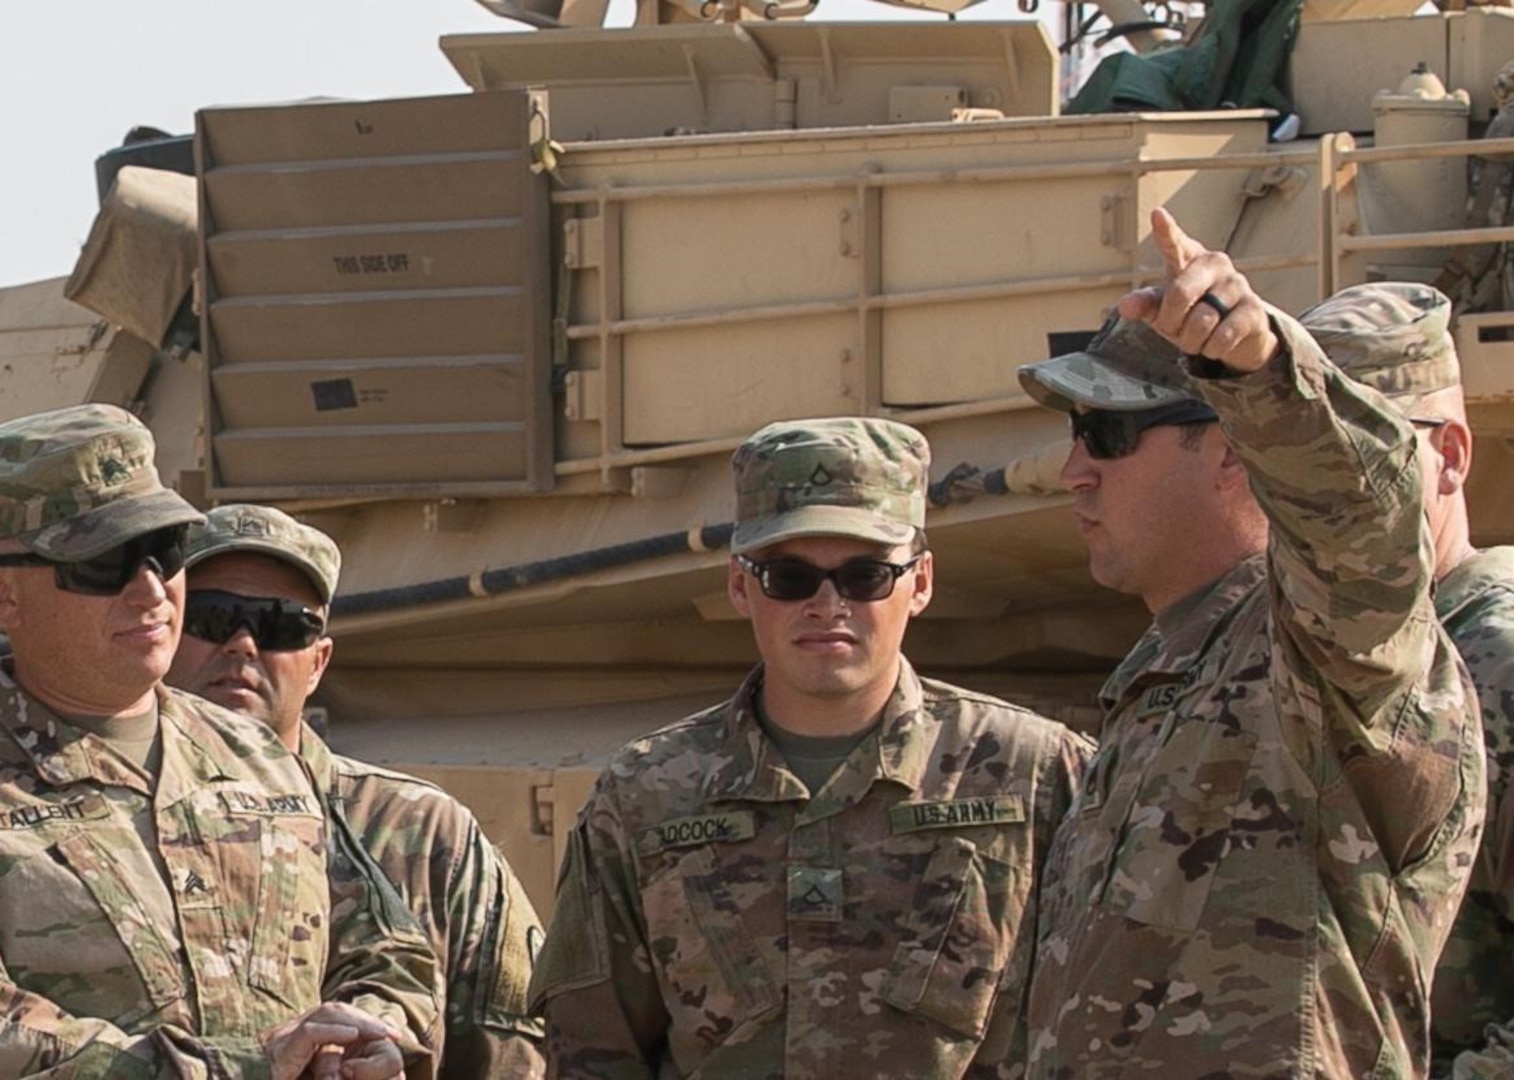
x,y
89,808
700,829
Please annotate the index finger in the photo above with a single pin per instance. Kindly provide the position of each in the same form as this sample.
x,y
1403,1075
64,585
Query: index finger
x,y
366,1024
1177,247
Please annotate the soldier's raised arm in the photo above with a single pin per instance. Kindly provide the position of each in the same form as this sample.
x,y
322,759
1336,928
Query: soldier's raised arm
x,y
1335,470
1289,780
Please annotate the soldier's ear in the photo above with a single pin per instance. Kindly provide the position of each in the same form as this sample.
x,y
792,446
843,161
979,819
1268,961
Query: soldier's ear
x,y
323,649
736,583
9,604
923,586
1231,473
1453,440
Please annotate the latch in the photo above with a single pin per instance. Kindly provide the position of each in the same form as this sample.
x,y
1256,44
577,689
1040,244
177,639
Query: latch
x,y
543,808
583,243
583,395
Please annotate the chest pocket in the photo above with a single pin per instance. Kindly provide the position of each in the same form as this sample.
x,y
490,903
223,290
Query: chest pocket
x,y
279,858
958,936
1178,823
715,979
154,956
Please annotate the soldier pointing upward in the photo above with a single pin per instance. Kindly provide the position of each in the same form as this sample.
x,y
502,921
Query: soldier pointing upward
x,y
1285,804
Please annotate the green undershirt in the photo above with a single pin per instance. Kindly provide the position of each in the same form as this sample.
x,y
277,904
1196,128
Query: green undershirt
x,y
814,759
134,737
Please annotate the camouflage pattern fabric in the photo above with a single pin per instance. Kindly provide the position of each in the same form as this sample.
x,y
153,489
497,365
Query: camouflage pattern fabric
x,y
713,919
844,476
471,907
1474,984
76,482
1127,367
1479,277
1394,336
1275,833
265,530
125,962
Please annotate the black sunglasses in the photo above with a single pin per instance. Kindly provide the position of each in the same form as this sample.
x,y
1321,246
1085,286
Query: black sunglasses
x,y
276,625
161,551
1113,434
865,580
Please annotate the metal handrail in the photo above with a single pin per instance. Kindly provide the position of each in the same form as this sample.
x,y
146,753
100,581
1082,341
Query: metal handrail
x,y
1335,156
1339,156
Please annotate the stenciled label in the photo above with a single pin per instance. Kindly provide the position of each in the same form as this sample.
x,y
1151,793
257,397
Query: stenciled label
x,y
957,813
722,828
246,802
1164,697
35,815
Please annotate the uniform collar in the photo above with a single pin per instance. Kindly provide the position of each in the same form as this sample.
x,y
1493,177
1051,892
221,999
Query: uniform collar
x,y
61,754
318,758
898,749
1182,633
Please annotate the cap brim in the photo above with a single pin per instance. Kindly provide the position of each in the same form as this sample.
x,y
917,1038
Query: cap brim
x,y
98,530
1083,378
846,521
258,546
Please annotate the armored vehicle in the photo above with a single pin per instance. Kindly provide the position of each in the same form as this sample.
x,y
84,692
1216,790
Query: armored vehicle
x,y
501,343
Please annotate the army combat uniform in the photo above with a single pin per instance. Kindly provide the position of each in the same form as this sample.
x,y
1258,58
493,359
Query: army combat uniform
x,y
715,918
1279,822
1474,984
470,905
125,959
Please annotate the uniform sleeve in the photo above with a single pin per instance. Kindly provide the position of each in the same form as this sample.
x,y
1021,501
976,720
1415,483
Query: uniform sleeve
x,y
1336,471
37,1039
1474,979
1002,1053
379,959
593,980
1074,752
492,931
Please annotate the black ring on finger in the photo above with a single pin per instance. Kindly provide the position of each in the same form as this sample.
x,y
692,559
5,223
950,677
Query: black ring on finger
x,y
1220,307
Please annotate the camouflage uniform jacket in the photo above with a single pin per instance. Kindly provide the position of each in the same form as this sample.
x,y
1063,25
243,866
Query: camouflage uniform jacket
x,y
1273,837
470,905
109,970
1474,984
714,919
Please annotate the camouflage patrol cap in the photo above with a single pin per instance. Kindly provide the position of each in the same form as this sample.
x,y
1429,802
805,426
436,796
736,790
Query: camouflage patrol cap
x,y
263,530
847,476
1127,366
77,482
1394,336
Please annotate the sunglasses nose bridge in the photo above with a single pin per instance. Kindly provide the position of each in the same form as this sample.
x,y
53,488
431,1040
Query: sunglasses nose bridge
x,y
828,594
241,635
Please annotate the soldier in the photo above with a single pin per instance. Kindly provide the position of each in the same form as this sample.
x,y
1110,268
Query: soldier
x,y
1420,376
164,898
833,873
1274,835
254,641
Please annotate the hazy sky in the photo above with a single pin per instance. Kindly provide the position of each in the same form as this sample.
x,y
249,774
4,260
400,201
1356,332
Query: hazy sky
x,y
76,75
